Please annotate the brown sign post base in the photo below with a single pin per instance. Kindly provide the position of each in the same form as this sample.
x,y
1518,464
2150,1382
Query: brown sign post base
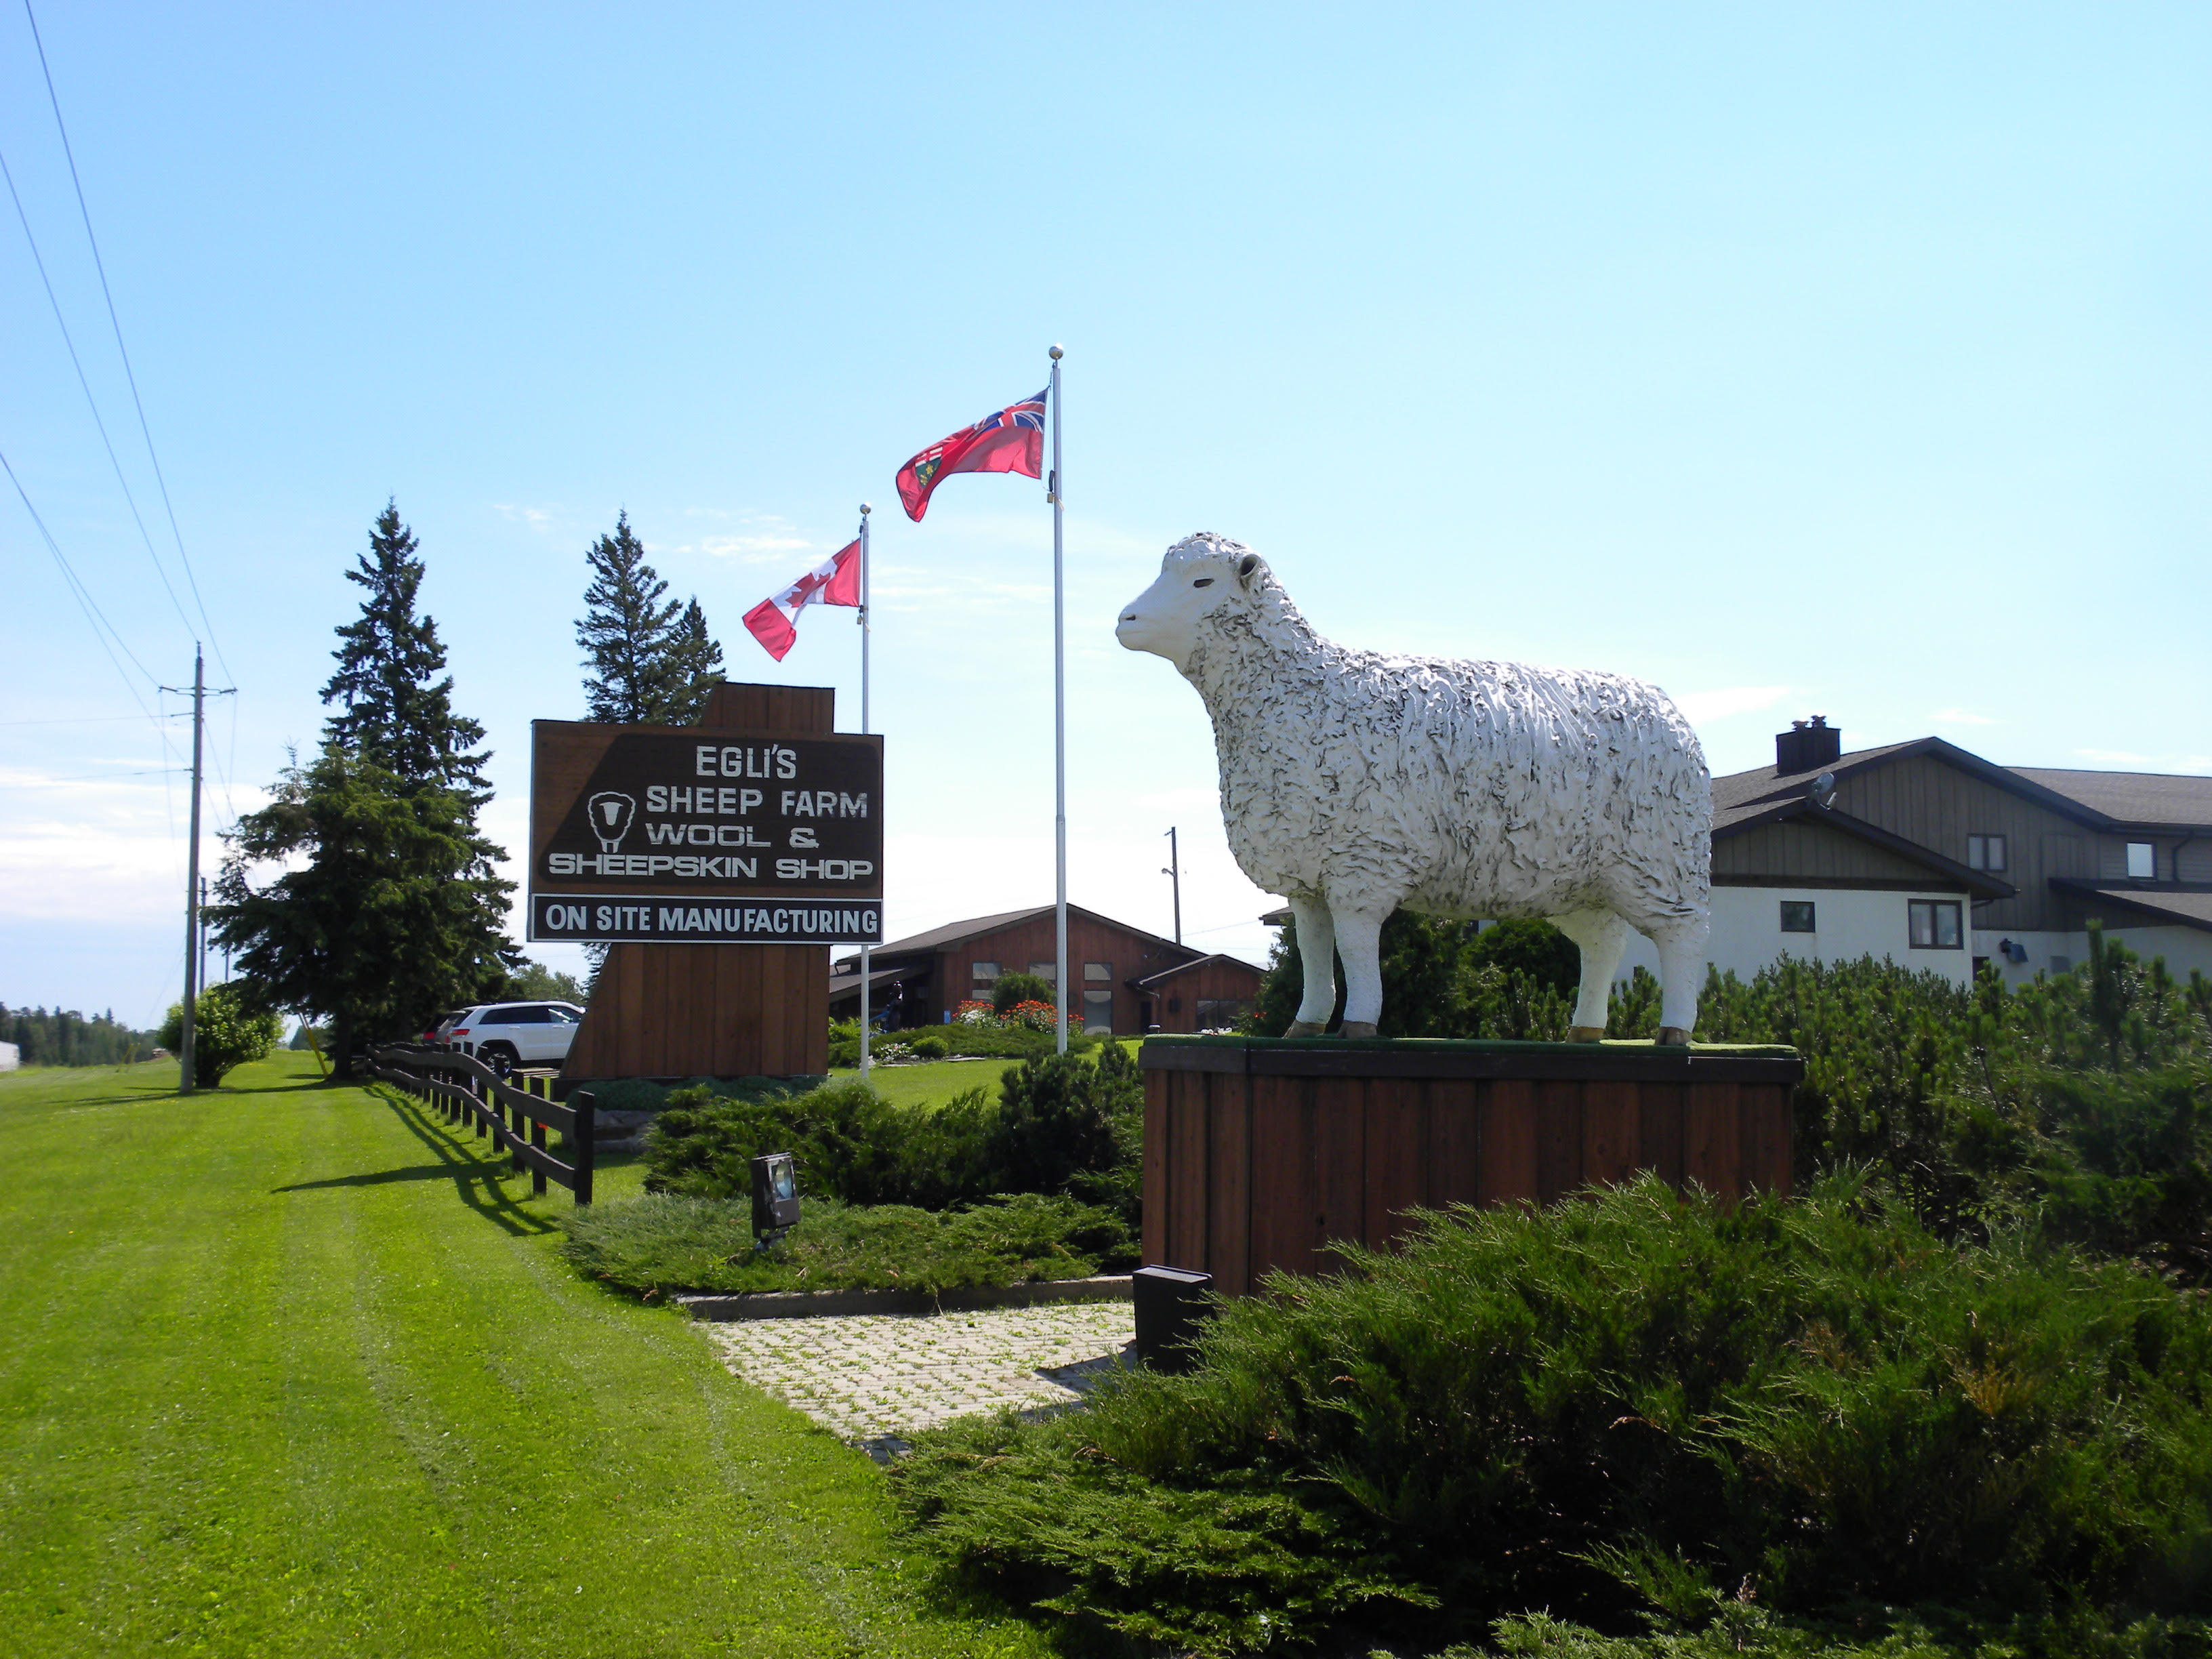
x,y
1258,1152
715,1010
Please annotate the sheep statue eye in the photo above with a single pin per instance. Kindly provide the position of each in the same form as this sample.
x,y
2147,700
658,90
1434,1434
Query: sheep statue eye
x,y
1203,581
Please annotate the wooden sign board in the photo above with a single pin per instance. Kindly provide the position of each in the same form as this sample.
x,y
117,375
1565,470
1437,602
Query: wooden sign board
x,y
645,834
681,1007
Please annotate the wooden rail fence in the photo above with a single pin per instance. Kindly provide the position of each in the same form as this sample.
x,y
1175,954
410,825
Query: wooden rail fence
x,y
466,1090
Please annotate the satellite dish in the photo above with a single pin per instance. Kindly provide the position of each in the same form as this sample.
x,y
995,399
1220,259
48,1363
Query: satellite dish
x,y
1821,791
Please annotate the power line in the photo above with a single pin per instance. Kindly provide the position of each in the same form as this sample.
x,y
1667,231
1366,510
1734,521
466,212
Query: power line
x,y
103,777
90,606
128,375
91,720
38,260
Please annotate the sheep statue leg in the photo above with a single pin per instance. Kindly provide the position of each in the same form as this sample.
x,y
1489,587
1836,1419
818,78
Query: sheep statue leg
x,y
1681,977
1359,941
1314,932
1601,937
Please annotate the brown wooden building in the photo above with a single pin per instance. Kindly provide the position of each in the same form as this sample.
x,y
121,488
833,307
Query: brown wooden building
x,y
1123,979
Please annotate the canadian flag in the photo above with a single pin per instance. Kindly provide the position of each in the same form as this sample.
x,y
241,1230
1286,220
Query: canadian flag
x,y
836,580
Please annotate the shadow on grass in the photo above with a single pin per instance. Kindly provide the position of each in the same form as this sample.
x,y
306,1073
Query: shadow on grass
x,y
377,1178
476,1179
155,1094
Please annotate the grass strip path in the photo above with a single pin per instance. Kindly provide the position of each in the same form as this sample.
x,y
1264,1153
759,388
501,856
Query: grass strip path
x,y
292,1368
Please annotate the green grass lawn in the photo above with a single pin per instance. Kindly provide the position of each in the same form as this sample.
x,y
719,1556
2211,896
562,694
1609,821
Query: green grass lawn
x,y
293,1368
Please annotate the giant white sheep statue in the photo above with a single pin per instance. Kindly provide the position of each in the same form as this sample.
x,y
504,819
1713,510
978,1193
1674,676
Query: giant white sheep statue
x,y
1354,784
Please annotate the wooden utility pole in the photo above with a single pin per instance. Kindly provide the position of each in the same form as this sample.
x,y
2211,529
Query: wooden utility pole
x,y
193,894
192,875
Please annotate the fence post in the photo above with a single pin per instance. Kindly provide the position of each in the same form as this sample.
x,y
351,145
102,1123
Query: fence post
x,y
543,1092
479,1096
586,1131
514,1117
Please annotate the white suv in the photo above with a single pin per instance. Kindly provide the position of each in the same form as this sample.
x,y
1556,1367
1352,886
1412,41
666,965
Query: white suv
x,y
506,1035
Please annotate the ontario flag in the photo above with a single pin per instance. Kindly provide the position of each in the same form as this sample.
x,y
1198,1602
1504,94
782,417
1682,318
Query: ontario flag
x,y
1009,439
836,580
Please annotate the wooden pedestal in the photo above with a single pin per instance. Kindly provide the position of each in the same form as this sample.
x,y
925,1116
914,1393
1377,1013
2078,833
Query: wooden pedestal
x,y
679,1011
1257,1153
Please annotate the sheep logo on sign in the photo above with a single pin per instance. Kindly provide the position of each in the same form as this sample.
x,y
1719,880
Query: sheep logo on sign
x,y
612,816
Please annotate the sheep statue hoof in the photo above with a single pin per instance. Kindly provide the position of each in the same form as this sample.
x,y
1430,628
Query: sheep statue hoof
x,y
1357,784
1673,1036
1586,1034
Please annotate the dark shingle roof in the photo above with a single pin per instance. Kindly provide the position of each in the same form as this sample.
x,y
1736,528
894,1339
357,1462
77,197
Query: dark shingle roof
x,y
843,985
953,933
1165,973
2190,907
2131,797
1746,795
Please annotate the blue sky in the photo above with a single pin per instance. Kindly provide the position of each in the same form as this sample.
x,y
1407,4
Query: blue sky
x,y
1847,359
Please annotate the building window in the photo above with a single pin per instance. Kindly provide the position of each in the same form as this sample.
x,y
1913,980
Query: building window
x,y
1099,973
1220,1013
2062,965
2142,860
1047,971
1985,853
1098,1012
1797,916
1935,924
984,973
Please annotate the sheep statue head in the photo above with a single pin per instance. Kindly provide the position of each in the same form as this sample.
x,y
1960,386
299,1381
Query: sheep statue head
x,y
1355,783
1203,581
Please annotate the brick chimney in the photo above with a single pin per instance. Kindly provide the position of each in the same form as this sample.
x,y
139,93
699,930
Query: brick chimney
x,y
1807,746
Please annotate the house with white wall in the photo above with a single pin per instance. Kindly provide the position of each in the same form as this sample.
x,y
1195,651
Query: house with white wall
x,y
1929,854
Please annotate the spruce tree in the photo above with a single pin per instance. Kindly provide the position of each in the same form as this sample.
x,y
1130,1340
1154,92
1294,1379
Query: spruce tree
x,y
386,910
395,711
391,911
651,658
695,667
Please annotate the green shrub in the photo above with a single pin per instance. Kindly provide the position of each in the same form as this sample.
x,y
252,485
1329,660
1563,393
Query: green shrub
x,y
1013,989
664,1243
1990,1107
229,1030
1438,982
1069,1125
1746,1631
930,1045
850,1143
1534,950
1638,1404
1063,1125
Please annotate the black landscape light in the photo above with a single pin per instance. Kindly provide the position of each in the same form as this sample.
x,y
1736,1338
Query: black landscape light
x,y
775,1197
1170,1304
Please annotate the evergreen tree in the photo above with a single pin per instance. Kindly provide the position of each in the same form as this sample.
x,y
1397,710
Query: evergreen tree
x,y
695,667
394,711
65,1037
390,913
651,660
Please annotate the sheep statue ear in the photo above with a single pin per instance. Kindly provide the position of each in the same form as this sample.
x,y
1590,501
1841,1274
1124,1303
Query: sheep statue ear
x,y
1246,567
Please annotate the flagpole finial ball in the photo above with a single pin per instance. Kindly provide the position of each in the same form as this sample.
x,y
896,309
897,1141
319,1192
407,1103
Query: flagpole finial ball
x,y
866,509
1055,354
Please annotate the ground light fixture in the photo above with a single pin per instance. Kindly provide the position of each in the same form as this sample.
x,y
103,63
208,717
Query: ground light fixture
x,y
775,1198
1170,1304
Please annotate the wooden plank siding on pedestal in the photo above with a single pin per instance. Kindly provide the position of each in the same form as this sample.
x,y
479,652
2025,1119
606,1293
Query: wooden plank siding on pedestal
x,y
1258,1154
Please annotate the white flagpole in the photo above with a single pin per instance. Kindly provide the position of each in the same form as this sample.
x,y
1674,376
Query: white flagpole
x,y
864,731
1059,718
